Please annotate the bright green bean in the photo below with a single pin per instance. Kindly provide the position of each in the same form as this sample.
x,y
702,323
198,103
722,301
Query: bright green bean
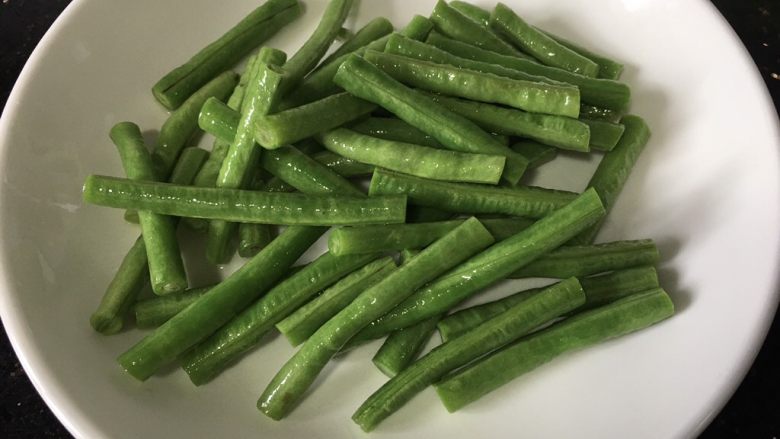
x,y
341,165
526,95
615,167
583,330
536,153
296,376
363,79
207,359
242,205
504,328
398,237
301,324
262,23
561,132
219,305
457,26
306,174
490,266
298,123
604,136
166,268
526,201
537,44
421,161
584,260
599,290
153,312
254,237
403,346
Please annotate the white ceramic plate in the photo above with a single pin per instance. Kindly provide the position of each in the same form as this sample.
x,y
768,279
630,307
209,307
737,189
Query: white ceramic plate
x,y
706,189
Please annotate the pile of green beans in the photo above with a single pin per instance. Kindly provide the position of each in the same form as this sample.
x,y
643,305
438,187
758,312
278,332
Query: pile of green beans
x,y
395,140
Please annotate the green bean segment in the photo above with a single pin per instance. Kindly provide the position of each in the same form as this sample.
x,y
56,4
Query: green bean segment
x,y
151,313
504,21
300,325
626,315
402,347
526,201
455,25
602,92
218,305
306,174
504,328
558,131
296,376
390,128
341,165
599,290
615,167
490,266
526,95
604,136
422,161
363,79
584,260
298,123
261,24
242,205
398,237
608,68
207,359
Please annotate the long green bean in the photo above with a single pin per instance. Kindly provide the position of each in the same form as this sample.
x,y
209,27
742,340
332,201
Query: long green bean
x,y
599,290
153,312
210,357
306,174
341,165
455,25
262,23
526,201
391,128
615,167
608,68
403,346
490,266
301,324
557,99
504,328
397,237
583,330
537,44
166,268
254,237
363,79
296,376
561,132
422,161
218,305
241,205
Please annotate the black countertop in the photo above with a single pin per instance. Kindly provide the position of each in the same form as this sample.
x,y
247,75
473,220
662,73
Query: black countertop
x,y
753,411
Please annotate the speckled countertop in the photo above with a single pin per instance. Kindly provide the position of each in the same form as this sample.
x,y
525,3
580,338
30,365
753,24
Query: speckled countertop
x,y
754,410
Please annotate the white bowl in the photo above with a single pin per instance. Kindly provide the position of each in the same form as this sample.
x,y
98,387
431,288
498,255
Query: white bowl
x,y
706,190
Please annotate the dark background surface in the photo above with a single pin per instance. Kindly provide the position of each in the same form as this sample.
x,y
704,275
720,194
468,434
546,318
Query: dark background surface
x,y
753,411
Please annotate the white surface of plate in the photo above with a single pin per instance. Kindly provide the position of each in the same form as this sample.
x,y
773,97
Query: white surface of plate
x,y
706,189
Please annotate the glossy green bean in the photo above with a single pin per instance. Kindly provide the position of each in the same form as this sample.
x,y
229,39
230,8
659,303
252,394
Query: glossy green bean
x,y
474,12
602,92
418,160
615,167
558,131
589,328
536,153
166,268
298,123
242,205
457,26
526,95
599,290
153,312
604,136
490,266
301,324
262,23
210,357
526,201
608,68
219,305
403,346
306,174
599,113
288,386
254,237
363,79
341,165
495,333
537,44
391,128
398,237
372,31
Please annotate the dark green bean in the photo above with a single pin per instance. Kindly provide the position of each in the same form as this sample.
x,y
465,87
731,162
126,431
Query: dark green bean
x,y
536,153
341,165
604,136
